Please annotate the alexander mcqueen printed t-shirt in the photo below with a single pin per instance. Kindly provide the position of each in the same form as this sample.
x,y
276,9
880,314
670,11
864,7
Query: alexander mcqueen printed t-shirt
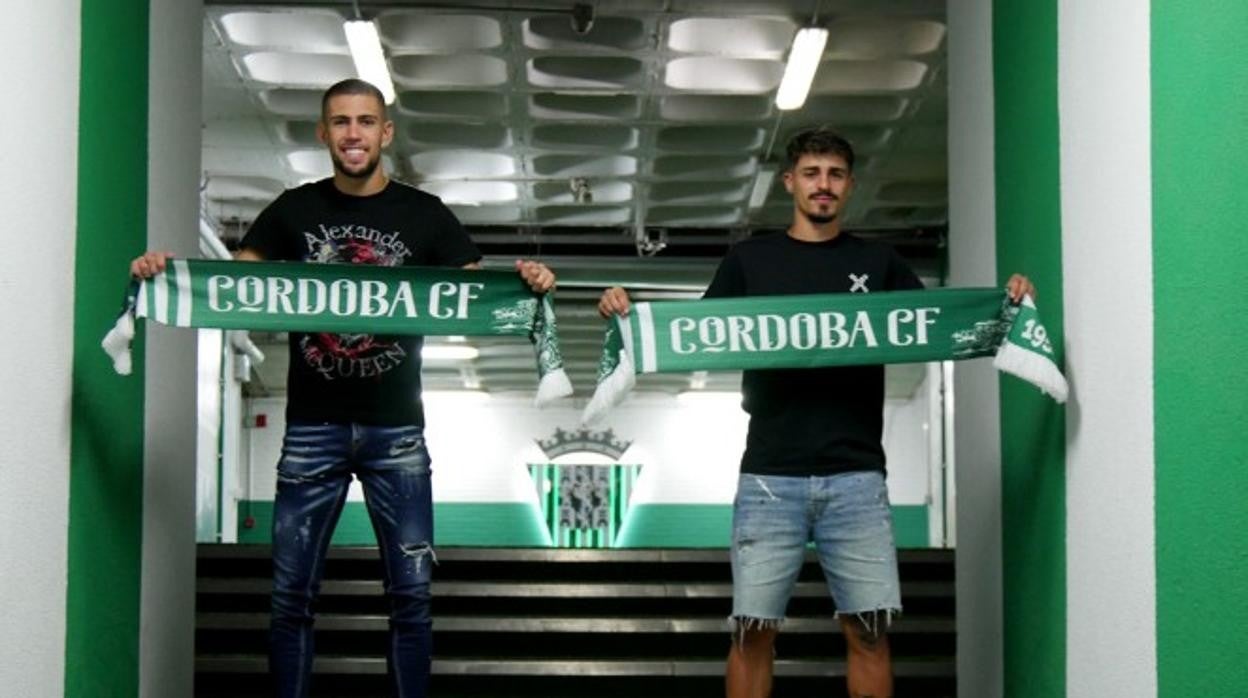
x,y
370,379
814,421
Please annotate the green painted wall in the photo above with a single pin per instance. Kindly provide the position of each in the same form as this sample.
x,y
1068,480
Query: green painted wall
x,y
514,524
676,526
1200,254
106,446
710,526
910,527
1032,426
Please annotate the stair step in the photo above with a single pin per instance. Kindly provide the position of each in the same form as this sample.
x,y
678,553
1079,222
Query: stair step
x,y
526,624
559,590
559,623
930,667
224,551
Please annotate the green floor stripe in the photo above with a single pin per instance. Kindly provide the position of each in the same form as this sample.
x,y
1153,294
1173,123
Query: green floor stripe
x,y
516,524
1200,251
106,440
1032,426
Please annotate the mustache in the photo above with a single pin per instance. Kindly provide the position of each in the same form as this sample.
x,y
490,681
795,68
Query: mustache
x,y
834,197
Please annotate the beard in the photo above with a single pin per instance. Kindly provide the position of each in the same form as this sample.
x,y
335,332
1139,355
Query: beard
x,y
363,173
819,218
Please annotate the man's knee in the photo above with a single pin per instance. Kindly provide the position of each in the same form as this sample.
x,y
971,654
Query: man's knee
x,y
867,631
755,634
291,605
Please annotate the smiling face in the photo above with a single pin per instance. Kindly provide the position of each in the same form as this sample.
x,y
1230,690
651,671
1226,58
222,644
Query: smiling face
x,y
355,129
821,185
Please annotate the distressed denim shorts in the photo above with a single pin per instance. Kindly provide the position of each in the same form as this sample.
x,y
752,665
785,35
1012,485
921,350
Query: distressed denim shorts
x,y
846,516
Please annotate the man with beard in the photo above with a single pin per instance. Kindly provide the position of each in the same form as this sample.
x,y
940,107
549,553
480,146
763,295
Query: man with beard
x,y
813,467
353,405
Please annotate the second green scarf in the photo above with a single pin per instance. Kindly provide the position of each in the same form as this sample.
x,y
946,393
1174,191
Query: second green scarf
x,y
841,329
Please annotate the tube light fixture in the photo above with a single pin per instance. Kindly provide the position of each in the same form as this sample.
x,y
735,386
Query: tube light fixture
x,y
370,62
762,186
799,72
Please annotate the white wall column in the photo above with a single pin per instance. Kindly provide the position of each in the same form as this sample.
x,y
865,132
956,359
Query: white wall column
x,y
977,434
167,614
1107,251
38,193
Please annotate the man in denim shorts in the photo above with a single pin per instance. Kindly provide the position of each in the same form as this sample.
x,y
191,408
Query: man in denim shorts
x,y
813,468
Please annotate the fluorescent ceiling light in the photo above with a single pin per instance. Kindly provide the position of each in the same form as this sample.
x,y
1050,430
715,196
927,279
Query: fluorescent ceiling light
x,y
762,186
448,352
799,73
370,62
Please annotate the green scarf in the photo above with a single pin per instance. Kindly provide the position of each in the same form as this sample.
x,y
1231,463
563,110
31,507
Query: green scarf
x,y
347,298
842,329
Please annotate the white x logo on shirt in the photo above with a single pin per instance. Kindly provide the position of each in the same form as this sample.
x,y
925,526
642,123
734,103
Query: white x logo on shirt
x,y
860,283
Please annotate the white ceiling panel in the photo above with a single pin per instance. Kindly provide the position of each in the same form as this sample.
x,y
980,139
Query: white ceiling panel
x,y
857,77
304,31
581,137
585,72
302,69
407,32
881,37
468,70
609,107
246,188
487,215
462,164
761,37
285,101
701,166
715,108
449,134
470,105
555,32
474,193
717,191
726,75
584,166
602,192
584,215
711,139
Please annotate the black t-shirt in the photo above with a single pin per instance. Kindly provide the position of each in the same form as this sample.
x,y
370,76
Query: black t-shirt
x,y
812,421
369,379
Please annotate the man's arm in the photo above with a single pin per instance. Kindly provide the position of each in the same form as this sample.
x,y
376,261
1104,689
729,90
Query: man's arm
x,y
1019,286
538,276
149,264
614,301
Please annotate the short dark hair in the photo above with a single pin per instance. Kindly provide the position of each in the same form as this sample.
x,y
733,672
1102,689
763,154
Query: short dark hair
x,y
352,86
819,140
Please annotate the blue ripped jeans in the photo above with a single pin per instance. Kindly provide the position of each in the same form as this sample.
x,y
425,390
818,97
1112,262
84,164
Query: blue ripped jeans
x,y
315,469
